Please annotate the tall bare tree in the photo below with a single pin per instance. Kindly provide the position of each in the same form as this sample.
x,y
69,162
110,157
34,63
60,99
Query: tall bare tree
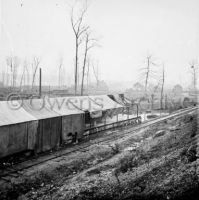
x,y
25,74
60,65
15,70
148,71
26,78
162,87
27,81
35,64
13,64
3,77
87,74
78,29
96,72
10,63
22,78
89,44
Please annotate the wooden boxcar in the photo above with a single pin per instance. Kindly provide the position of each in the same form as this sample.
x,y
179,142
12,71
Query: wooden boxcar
x,y
17,129
72,118
49,124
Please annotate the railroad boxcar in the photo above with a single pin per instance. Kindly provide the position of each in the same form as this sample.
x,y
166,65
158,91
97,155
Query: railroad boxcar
x,y
17,129
44,124
49,124
72,118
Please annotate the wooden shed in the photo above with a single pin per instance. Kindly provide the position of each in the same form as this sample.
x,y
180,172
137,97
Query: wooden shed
x,y
72,118
49,124
17,129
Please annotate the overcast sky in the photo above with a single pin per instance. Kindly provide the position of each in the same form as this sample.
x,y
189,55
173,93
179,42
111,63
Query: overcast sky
x,y
128,30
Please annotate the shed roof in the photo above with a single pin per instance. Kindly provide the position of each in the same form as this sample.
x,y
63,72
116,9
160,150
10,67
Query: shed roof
x,y
64,105
11,112
74,104
118,99
85,103
38,108
105,102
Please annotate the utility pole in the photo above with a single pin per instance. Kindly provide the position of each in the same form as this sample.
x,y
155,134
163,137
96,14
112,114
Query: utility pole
x,y
147,73
166,102
162,88
40,79
194,78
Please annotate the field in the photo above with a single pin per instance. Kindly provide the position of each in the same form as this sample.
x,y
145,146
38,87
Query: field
x,y
158,162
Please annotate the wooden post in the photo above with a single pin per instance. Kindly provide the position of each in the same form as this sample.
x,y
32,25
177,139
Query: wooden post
x,y
49,90
40,79
166,106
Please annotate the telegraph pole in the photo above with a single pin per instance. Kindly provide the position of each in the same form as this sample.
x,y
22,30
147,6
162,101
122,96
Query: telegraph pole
x,y
194,77
40,79
194,82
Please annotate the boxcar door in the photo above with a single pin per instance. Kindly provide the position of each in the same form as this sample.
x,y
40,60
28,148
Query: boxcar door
x,y
55,132
4,140
32,134
17,138
67,129
46,134
78,125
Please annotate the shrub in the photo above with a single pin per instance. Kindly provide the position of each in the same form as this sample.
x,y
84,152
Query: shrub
x,y
115,148
127,163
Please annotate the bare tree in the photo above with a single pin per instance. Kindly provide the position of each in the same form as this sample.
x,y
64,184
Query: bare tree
x,y
89,44
87,74
9,61
15,70
153,92
148,72
96,72
60,71
162,87
3,77
22,78
35,64
25,72
78,29
13,63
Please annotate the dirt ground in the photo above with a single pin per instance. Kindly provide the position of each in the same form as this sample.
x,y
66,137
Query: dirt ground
x,y
158,162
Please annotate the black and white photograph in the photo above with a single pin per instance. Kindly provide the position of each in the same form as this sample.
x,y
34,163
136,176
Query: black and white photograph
x,y
99,99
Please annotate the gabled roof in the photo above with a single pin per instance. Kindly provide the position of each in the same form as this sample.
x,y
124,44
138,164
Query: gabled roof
x,y
11,112
105,102
64,105
118,99
14,112
38,109
79,104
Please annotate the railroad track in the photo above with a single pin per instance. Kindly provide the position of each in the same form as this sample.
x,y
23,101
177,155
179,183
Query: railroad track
x,y
16,170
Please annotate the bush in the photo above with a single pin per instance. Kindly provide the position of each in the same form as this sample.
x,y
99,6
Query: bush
x,y
115,148
127,163
189,154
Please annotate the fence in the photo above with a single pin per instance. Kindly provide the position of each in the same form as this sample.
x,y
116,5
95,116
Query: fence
x,y
127,122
